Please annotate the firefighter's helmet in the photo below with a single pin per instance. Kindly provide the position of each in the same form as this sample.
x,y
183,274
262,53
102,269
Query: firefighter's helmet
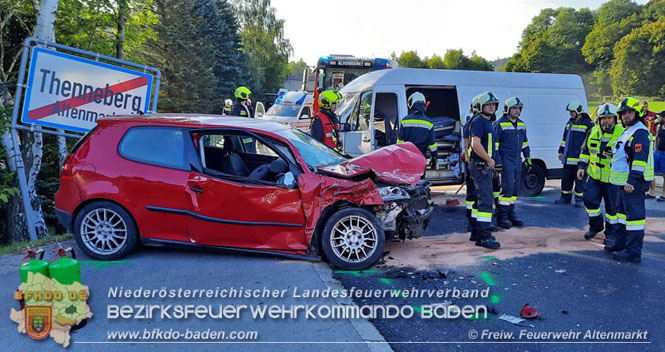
x,y
484,99
416,97
512,102
630,104
228,103
329,97
606,109
242,93
576,107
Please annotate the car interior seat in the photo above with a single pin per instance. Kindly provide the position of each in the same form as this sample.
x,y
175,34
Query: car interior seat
x,y
270,172
232,162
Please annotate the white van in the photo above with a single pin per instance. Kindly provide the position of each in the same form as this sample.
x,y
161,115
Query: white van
x,y
373,104
292,108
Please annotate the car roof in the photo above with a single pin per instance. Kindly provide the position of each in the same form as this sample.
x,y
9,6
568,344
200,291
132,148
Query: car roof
x,y
193,121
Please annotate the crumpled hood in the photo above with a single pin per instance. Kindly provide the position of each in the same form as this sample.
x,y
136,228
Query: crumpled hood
x,y
398,163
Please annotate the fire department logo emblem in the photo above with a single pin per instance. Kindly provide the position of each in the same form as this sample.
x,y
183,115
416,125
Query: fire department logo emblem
x,y
38,321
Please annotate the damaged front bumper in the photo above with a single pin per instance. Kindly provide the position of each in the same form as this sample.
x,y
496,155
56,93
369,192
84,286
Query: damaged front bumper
x,y
406,211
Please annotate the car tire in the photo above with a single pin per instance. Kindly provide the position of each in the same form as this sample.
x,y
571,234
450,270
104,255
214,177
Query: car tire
x,y
105,231
532,181
353,239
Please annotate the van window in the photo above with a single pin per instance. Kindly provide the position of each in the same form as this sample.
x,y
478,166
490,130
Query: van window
x,y
156,146
442,101
360,116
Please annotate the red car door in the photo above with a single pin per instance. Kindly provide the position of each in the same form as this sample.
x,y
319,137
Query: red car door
x,y
234,214
235,211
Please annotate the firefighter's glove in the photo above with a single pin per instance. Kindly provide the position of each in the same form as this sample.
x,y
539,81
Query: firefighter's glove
x,y
527,164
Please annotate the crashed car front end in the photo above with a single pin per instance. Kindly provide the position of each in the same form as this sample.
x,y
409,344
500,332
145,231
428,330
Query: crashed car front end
x,y
396,171
406,211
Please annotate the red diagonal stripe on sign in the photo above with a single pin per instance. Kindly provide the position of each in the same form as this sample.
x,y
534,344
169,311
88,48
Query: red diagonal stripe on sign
x,y
73,102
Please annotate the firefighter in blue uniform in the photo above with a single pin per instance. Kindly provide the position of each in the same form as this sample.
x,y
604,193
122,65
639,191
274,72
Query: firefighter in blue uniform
x,y
471,210
481,167
631,170
418,129
574,135
511,142
595,160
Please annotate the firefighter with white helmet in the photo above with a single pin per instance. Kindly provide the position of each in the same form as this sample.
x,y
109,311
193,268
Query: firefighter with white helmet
x,y
481,167
574,135
511,143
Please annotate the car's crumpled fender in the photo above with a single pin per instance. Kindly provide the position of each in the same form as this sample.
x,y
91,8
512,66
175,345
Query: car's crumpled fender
x,y
319,191
398,163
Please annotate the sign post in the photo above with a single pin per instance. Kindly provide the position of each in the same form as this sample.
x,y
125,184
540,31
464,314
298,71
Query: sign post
x,y
70,92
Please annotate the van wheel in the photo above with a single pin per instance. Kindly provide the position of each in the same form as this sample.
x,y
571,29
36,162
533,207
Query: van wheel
x,y
105,231
533,181
353,239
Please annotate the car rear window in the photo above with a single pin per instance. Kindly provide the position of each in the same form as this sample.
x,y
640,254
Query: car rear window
x,y
161,146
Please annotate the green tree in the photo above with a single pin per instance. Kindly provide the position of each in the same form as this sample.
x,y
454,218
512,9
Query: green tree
x,y
117,28
639,58
297,67
553,42
616,18
456,60
434,62
410,59
184,57
264,43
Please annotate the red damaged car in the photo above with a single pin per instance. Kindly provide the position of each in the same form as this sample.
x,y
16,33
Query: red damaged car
x,y
240,184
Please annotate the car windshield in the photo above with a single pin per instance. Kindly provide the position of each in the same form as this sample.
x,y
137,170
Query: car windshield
x,y
312,151
289,110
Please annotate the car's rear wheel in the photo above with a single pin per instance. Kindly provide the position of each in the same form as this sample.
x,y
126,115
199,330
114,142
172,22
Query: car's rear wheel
x,y
353,239
105,231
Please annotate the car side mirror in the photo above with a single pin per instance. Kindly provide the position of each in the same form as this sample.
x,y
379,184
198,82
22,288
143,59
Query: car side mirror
x,y
287,180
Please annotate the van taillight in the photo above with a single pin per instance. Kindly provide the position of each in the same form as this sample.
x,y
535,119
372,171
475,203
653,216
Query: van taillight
x,y
66,170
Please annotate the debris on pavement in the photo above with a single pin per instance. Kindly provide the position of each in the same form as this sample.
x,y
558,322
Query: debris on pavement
x,y
515,320
529,312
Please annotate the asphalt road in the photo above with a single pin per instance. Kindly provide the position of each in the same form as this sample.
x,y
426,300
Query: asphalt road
x,y
594,292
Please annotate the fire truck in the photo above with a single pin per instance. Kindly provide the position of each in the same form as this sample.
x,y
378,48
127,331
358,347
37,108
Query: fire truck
x,y
336,71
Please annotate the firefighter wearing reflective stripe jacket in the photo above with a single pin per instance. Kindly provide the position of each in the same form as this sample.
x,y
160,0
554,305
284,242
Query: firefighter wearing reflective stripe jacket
x,y
595,161
417,128
481,167
574,135
471,207
511,142
325,125
631,170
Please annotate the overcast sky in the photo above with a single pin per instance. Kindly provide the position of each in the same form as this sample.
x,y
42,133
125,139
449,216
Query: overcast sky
x,y
372,28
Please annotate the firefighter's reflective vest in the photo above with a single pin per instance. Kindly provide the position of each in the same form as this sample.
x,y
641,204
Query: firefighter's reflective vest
x,y
625,163
596,155
330,131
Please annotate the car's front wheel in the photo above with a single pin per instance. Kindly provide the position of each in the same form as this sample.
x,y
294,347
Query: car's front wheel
x,y
105,231
353,239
